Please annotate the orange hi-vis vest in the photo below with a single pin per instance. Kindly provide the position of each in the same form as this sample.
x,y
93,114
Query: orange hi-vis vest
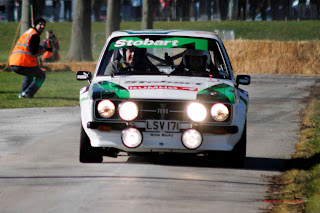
x,y
47,54
21,55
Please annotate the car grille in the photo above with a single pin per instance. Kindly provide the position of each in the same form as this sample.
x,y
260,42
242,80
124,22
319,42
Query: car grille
x,y
159,110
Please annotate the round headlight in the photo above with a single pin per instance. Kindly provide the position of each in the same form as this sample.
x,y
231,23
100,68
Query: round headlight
x,y
106,108
128,110
219,112
192,139
196,112
131,137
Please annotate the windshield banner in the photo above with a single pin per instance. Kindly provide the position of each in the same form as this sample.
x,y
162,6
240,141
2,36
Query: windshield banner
x,y
174,42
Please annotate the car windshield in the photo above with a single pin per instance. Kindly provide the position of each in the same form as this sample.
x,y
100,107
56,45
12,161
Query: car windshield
x,y
164,55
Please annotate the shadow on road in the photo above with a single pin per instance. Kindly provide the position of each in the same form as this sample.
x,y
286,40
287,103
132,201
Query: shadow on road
x,y
251,163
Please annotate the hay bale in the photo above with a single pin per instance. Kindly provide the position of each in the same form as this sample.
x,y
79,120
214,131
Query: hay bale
x,y
274,57
74,66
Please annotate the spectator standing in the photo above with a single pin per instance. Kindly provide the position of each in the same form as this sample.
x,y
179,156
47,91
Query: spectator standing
x,y
179,9
51,44
223,5
19,8
38,7
274,9
314,8
23,59
11,11
253,9
301,9
165,6
210,10
242,7
195,9
263,9
286,5
96,9
126,10
56,9
318,9
67,10
136,9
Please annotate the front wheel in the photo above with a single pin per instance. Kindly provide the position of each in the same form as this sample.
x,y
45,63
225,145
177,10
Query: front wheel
x,y
240,149
89,154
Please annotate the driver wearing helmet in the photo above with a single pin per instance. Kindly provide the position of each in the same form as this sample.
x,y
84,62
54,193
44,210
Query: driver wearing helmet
x,y
133,61
196,63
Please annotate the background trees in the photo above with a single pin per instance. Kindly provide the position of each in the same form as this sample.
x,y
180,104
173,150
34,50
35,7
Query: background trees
x,y
113,16
25,16
80,46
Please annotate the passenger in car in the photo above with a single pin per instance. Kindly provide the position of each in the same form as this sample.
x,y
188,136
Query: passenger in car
x,y
133,61
196,63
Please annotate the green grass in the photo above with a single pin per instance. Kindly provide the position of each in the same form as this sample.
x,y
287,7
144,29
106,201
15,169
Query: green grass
x,y
259,30
302,182
60,89
310,180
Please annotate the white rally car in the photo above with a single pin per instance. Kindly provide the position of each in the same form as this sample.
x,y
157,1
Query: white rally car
x,y
182,98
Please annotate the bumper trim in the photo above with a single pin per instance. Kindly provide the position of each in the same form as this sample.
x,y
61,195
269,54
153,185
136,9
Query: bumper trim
x,y
213,129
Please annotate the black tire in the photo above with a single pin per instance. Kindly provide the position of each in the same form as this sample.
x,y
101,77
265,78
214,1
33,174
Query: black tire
x,y
89,154
240,149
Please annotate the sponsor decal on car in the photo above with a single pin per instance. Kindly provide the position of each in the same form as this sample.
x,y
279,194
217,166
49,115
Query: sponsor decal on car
x,y
163,82
220,91
164,87
110,88
174,42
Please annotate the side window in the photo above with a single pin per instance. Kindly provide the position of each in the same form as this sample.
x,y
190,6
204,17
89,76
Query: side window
x,y
108,57
218,60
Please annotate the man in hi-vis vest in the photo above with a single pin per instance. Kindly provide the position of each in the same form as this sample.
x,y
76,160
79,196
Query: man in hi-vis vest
x,y
23,59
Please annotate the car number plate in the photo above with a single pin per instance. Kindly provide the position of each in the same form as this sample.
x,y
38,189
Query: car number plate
x,y
161,125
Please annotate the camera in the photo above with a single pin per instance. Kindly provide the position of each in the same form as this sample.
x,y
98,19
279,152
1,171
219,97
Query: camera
x,y
48,49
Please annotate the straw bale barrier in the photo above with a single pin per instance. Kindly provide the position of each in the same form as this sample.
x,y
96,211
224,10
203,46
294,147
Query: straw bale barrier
x,y
249,57
274,57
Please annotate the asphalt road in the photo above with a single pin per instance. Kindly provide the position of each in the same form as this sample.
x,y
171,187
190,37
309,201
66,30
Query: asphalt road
x,y
40,171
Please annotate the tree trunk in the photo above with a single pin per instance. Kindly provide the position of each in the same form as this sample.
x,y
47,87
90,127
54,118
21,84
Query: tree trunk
x,y
113,16
80,46
147,14
25,16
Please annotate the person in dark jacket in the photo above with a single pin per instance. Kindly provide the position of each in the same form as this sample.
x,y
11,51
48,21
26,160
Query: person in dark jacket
x,y
51,44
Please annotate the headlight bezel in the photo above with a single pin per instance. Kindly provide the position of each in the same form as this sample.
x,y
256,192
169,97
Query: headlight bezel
x,y
104,104
217,110
125,114
197,112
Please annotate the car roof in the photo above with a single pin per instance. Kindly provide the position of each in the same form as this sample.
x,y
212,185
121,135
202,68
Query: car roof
x,y
188,33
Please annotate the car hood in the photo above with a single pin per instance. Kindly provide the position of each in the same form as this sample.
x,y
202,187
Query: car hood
x,y
163,87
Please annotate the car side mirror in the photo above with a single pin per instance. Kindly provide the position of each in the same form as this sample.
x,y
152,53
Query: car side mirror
x,y
84,75
243,79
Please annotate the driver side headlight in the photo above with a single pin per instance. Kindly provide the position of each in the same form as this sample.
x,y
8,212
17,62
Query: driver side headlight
x,y
128,110
197,112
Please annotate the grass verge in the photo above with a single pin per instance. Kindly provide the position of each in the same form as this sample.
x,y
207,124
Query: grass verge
x,y
60,89
300,184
